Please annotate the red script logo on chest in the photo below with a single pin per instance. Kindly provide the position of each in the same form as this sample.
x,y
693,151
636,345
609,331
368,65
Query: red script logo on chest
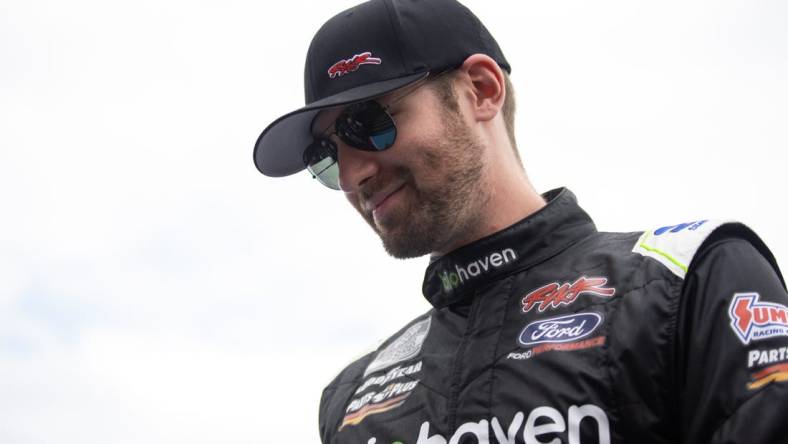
x,y
554,295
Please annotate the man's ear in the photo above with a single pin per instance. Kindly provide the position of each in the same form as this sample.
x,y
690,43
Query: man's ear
x,y
485,86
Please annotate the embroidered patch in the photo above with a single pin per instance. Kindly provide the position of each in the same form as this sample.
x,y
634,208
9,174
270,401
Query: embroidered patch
x,y
554,295
406,346
399,384
343,67
391,398
752,320
775,373
766,357
561,329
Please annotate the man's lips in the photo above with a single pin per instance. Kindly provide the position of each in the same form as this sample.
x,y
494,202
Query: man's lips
x,y
380,197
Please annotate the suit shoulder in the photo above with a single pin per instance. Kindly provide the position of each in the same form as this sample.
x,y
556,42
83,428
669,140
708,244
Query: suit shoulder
x,y
675,246
399,349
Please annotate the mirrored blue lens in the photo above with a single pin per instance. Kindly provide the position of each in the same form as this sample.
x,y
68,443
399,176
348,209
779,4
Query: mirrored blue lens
x,y
383,140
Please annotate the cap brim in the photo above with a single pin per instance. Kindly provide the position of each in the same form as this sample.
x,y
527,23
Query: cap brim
x,y
280,148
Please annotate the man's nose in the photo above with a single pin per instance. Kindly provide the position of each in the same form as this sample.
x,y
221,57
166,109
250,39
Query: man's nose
x,y
355,167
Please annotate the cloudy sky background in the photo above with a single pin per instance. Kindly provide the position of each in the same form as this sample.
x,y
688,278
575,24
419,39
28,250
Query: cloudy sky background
x,y
154,287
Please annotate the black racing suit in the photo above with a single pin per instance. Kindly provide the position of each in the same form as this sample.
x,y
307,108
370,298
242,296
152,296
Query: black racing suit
x,y
552,332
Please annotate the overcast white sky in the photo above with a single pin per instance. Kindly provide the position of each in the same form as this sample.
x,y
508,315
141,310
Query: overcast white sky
x,y
155,288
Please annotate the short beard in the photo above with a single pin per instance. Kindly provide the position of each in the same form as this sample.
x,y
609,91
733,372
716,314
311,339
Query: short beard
x,y
443,215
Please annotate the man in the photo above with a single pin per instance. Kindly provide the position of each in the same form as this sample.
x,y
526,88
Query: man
x,y
543,330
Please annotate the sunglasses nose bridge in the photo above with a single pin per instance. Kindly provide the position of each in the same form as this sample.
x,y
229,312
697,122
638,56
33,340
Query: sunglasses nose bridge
x,y
355,166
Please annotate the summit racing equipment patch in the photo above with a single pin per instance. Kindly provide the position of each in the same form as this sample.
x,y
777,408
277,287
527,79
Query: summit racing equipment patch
x,y
752,320
775,373
406,346
343,67
554,295
766,357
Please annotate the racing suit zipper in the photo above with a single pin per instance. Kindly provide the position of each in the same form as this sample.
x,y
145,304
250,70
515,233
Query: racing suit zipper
x,y
459,358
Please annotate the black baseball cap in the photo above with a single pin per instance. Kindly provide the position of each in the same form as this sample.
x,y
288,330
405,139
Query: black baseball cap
x,y
368,51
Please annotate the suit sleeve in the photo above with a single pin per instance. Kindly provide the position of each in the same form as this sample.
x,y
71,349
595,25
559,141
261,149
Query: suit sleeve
x,y
731,349
323,414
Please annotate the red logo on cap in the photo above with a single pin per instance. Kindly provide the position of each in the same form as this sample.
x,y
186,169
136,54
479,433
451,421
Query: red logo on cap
x,y
343,67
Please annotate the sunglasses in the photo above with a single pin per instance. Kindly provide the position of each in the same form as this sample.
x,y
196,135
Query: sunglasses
x,y
366,126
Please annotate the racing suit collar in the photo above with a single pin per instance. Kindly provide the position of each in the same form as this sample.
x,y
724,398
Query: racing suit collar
x,y
454,277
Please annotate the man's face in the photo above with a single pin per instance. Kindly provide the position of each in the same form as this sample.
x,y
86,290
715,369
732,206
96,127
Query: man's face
x,y
424,193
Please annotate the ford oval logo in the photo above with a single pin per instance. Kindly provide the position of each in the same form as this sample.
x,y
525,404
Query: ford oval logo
x,y
561,329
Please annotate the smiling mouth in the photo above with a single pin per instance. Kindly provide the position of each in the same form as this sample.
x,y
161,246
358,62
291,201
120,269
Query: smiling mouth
x,y
381,205
389,195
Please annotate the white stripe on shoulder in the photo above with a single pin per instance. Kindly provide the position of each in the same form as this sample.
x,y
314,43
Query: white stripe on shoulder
x,y
675,245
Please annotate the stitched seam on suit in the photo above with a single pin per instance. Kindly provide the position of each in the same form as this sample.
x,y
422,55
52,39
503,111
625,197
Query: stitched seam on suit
x,y
718,429
501,323
458,359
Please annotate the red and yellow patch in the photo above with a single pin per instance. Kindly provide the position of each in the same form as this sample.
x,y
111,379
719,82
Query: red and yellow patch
x,y
775,373
371,409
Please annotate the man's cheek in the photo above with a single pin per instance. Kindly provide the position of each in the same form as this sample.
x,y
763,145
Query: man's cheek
x,y
430,159
354,200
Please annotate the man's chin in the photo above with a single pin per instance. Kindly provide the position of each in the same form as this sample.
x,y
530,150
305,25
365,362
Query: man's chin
x,y
390,224
399,249
388,227
391,238
401,233
404,243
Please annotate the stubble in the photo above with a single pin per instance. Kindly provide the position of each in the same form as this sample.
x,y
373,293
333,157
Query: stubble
x,y
443,211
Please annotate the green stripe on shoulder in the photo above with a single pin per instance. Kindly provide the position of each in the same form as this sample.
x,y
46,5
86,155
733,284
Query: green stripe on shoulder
x,y
675,245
